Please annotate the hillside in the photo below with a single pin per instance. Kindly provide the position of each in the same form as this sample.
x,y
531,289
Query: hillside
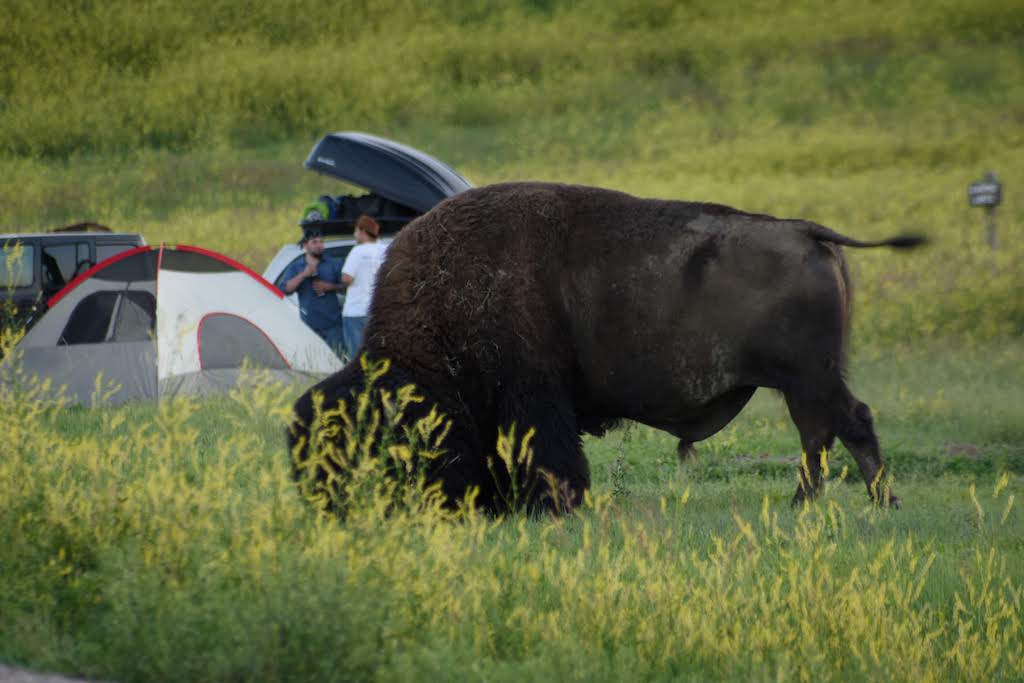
x,y
189,121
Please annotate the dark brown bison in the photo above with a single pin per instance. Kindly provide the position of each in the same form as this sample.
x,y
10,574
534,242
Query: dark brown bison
x,y
568,308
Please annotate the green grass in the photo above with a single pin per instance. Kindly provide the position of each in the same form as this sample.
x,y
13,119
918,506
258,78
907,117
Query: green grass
x,y
168,543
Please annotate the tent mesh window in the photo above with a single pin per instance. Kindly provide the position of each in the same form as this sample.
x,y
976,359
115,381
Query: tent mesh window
x,y
133,313
136,318
89,322
226,341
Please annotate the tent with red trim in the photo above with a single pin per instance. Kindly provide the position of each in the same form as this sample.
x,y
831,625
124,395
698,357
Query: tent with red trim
x,y
157,322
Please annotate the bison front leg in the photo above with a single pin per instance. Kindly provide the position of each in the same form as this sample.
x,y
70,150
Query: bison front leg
x,y
556,475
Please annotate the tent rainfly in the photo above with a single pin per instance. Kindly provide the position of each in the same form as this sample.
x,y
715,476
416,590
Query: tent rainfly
x,y
167,321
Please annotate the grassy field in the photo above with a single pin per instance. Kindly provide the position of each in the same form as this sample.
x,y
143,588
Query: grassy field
x,y
167,542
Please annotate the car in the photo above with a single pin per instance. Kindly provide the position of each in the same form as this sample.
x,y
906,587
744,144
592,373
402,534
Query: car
x,y
34,266
402,183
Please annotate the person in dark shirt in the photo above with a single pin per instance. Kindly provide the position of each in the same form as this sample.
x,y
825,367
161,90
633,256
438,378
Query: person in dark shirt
x,y
316,279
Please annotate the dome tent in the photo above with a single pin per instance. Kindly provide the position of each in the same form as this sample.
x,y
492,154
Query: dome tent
x,y
164,321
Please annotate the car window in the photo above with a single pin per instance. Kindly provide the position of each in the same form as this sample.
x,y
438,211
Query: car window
x,y
62,262
83,261
16,265
338,253
105,251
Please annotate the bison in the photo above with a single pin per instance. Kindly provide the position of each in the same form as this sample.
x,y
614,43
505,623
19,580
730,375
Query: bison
x,y
568,309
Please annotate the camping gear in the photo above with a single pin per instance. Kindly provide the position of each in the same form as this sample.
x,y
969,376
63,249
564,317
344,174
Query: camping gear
x,y
403,182
167,321
325,208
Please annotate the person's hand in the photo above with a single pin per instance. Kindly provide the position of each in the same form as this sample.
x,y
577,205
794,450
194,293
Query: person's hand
x,y
320,287
311,265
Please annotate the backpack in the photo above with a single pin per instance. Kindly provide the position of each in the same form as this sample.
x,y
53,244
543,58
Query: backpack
x,y
325,208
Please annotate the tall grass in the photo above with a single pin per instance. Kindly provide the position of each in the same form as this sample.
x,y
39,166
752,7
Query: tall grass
x,y
169,543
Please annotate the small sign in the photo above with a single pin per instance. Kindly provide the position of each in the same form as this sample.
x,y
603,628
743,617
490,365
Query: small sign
x,y
986,192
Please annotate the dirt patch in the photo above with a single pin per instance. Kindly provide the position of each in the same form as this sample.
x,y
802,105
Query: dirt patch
x,y
767,458
963,450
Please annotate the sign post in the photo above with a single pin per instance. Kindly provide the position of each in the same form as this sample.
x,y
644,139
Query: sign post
x,y
987,193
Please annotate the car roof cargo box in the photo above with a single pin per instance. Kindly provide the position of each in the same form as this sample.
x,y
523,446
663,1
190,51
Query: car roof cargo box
x,y
403,182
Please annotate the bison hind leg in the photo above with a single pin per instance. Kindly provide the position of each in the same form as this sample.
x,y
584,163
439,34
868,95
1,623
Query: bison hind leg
x,y
820,418
856,430
814,422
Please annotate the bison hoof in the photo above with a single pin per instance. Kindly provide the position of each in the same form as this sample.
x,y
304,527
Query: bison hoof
x,y
803,495
889,501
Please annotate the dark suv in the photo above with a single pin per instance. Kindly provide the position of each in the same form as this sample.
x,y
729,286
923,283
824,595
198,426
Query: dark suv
x,y
35,266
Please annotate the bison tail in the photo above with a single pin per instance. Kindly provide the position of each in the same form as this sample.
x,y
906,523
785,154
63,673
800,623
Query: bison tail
x,y
823,234
905,241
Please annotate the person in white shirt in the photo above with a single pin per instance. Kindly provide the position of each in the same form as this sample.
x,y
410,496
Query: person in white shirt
x,y
358,274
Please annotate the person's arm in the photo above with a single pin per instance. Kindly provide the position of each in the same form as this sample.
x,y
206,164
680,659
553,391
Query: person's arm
x,y
335,284
293,283
323,286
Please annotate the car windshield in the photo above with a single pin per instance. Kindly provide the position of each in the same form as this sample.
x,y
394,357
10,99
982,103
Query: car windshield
x,y
16,261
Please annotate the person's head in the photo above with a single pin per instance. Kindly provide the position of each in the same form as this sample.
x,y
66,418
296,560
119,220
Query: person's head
x,y
366,229
312,241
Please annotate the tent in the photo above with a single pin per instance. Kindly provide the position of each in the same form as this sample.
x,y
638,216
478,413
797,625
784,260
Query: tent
x,y
168,321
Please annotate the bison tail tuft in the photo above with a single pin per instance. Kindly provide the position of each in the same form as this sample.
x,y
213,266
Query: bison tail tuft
x,y
906,241
821,233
